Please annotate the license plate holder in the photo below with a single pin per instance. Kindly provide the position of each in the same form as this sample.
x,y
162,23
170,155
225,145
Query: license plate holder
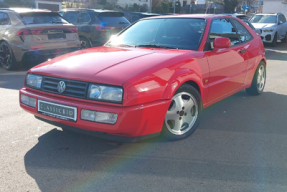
x,y
56,36
59,111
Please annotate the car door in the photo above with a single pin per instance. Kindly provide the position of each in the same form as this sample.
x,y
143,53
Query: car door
x,y
282,25
84,21
227,66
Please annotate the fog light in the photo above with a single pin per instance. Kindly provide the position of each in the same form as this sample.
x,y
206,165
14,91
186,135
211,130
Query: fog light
x,y
101,117
28,101
88,115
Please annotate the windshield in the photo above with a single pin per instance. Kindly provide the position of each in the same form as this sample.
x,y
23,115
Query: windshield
x,y
41,18
176,33
264,19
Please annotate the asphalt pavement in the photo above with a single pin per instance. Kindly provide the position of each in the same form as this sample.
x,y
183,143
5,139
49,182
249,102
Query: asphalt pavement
x,y
240,145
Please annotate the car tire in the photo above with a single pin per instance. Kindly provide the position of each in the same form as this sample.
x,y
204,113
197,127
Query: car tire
x,y
7,59
274,42
259,80
85,43
285,39
184,113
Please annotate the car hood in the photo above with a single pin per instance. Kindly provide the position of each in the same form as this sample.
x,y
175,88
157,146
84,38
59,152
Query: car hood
x,y
105,65
263,25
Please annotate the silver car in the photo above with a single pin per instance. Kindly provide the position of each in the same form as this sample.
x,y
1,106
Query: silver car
x,y
34,35
273,27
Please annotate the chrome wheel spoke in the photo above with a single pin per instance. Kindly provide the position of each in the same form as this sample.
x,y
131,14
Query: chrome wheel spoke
x,y
189,105
177,125
171,115
178,102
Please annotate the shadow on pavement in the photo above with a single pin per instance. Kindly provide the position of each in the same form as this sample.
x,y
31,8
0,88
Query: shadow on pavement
x,y
229,145
276,53
13,79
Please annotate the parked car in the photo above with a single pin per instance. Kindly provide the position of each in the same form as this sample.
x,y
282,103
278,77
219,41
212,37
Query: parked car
x,y
239,16
245,19
154,77
34,34
95,26
273,27
134,16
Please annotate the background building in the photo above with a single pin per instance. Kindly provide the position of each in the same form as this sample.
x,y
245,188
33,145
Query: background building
x,y
275,6
53,5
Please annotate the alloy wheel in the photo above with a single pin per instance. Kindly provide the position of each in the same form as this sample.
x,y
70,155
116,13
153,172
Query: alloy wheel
x,y
182,113
6,58
261,77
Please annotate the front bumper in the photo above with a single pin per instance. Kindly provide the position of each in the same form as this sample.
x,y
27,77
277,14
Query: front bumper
x,y
267,37
133,121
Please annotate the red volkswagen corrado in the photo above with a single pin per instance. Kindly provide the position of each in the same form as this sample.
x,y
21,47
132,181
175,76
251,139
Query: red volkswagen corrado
x,y
155,76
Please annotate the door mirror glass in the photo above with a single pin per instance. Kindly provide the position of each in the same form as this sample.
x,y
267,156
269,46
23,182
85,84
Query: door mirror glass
x,y
221,43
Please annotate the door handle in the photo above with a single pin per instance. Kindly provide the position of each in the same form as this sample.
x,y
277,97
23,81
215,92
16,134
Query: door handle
x,y
242,51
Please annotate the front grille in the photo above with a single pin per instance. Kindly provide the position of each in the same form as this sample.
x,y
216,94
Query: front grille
x,y
268,37
73,88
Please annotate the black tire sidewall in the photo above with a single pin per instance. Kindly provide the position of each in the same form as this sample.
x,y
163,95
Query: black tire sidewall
x,y
13,65
189,89
274,43
87,42
285,39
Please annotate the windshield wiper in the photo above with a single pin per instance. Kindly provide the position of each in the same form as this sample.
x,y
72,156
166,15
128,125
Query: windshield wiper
x,y
156,46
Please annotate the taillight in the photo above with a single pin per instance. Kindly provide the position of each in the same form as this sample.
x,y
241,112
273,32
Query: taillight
x,y
30,32
37,31
73,30
24,32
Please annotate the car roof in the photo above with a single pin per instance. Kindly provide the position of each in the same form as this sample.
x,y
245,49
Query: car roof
x,y
141,13
268,13
24,10
197,16
94,10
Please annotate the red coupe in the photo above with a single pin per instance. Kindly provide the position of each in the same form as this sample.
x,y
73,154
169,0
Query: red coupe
x,y
155,76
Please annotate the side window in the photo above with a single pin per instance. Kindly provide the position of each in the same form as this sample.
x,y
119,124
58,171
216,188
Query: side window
x,y
223,28
71,17
242,32
4,19
283,18
85,18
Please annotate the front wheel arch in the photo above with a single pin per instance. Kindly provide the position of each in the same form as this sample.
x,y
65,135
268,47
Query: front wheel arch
x,y
177,81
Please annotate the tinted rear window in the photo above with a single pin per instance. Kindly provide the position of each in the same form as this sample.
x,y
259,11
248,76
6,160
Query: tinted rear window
x,y
113,19
41,18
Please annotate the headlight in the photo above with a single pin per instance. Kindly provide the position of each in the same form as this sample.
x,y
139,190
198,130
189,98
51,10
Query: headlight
x,y
268,30
105,93
34,80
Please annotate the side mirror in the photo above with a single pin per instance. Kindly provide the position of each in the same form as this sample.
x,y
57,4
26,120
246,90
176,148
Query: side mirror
x,y
221,43
280,22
